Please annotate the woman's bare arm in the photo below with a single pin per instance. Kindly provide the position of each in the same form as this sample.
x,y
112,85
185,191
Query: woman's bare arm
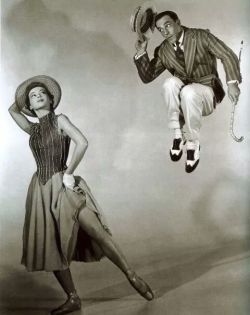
x,y
19,118
78,138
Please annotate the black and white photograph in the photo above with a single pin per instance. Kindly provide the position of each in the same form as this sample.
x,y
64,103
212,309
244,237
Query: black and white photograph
x,y
125,157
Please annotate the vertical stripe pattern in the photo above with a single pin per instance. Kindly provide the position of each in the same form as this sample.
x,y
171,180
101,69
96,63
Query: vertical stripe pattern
x,y
49,147
201,51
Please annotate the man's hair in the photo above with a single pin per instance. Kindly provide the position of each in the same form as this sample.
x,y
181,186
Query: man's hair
x,y
171,14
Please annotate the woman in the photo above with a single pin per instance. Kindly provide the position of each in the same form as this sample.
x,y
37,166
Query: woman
x,y
63,222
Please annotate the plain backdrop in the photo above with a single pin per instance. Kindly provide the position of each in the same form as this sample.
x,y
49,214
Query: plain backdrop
x,y
151,204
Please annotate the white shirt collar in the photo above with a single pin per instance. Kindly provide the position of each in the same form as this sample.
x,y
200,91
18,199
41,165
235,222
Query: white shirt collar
x,y
181,40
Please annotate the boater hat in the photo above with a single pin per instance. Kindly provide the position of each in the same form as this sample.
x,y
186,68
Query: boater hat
x,y
51,84
143,19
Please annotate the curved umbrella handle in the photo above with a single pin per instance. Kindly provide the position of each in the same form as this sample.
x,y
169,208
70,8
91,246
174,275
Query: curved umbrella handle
x,y
237,139
231,128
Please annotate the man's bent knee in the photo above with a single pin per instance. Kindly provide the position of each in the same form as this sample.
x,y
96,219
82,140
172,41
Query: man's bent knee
x,y
189,92
173,82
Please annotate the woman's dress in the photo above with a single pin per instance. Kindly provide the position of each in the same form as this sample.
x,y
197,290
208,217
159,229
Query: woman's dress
x,y
51,235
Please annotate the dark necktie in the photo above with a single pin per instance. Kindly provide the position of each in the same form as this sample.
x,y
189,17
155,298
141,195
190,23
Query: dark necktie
x,y
179,54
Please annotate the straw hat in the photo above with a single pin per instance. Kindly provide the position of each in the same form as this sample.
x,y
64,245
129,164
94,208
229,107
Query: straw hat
x,y
143,19
51,84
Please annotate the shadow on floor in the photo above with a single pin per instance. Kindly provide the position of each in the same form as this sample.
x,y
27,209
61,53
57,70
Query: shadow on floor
x,y
189,267
186,270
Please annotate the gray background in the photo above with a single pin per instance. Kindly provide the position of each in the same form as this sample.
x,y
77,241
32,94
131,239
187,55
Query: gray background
x,y
153,207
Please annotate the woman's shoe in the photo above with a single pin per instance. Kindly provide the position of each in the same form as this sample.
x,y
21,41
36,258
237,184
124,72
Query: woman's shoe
x,y
72,304
140,286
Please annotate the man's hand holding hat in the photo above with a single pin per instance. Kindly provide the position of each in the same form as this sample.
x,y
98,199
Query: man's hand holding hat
x,y
141,46
142,20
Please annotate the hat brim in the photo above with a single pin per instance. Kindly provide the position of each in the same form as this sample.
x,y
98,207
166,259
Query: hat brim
x,y
143,19
51,84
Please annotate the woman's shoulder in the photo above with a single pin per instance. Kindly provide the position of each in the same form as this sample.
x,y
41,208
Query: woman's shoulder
x,y
63,122
62,117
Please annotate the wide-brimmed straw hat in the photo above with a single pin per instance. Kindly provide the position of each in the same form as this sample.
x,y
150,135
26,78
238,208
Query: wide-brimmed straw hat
x,y
143,19
51,84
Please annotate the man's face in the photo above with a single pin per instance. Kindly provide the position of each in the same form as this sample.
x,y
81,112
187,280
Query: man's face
x,y
169,28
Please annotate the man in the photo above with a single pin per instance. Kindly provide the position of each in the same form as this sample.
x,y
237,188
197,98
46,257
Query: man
x,y
195,88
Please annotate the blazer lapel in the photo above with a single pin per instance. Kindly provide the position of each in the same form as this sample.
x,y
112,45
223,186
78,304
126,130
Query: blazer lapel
x,y
189,50
170,56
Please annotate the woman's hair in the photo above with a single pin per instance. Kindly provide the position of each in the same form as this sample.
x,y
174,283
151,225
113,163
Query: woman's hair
x,y
171,14
32,86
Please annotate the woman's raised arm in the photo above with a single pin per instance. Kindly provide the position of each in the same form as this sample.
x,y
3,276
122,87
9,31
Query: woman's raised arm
x,y
19,118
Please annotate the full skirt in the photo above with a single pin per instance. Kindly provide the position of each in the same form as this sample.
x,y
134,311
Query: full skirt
x,y
51,234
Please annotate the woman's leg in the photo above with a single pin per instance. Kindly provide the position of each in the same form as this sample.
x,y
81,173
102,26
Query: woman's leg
x,y
92,226
73,302
64,277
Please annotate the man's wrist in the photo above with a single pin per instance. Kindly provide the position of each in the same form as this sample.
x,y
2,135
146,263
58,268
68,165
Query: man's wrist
x,y
139,54
233,82
66,175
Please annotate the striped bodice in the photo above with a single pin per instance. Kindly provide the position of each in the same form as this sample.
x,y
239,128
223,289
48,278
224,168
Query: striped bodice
x,y
49,147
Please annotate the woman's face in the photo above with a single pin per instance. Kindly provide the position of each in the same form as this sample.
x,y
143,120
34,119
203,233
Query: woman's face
x,y
39,98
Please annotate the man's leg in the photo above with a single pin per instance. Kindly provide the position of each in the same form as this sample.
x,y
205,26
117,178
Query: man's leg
x,y
197,100
172,87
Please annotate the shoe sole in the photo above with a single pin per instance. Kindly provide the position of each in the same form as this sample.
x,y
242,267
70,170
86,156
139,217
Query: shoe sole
x,y
63,312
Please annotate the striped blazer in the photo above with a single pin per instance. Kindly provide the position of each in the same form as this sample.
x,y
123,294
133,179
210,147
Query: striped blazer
x,y
201,49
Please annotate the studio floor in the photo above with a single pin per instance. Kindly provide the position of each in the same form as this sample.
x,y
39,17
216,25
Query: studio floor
x,y
205,281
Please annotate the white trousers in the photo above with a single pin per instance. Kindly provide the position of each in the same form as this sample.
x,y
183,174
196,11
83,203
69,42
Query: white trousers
x,y
187,104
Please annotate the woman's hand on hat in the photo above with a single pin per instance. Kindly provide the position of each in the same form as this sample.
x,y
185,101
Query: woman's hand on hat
x,y
69,181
